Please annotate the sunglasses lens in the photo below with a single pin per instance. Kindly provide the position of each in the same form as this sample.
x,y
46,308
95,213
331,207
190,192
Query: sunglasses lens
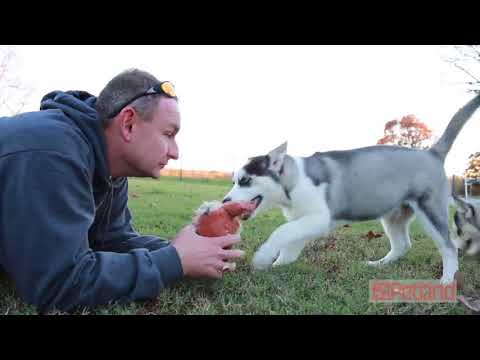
x,y
168,88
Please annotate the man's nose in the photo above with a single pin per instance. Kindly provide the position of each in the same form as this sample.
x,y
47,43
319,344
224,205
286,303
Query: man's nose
x,y
173,152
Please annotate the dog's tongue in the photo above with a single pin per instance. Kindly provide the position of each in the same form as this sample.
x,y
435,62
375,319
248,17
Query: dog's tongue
x,y
239,208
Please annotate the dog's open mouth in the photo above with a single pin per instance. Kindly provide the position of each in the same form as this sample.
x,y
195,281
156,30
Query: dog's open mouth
x,y
256,202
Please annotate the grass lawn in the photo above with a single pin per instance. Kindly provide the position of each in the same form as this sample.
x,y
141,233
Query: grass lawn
x,y
328,278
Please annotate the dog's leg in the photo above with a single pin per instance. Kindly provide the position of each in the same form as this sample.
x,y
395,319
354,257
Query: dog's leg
x,y
396,225
434,218
291,252
287,241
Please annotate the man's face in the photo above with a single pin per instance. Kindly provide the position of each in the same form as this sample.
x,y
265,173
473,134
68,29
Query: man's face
x,y
153,142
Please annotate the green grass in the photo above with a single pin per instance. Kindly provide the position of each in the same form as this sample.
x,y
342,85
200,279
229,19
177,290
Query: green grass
x,y
329,278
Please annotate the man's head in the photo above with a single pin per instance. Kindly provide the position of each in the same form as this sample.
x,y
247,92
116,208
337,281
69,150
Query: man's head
x,y
141,119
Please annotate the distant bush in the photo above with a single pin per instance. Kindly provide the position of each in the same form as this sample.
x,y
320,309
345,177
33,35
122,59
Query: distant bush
x,y
196,174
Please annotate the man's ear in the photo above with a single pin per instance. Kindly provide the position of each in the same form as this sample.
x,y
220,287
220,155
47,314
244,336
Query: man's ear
x,y
277,156
127,121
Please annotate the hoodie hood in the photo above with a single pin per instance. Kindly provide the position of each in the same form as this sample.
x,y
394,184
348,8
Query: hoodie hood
x,y
78,106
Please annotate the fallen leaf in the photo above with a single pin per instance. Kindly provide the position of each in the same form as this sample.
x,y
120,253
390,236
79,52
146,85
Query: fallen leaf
x,y
370,235
333,269
330,244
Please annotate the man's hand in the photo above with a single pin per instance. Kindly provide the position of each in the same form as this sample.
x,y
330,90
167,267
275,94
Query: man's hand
x,y
205,256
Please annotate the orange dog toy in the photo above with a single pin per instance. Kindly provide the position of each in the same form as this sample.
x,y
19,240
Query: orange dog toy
x,y
217,219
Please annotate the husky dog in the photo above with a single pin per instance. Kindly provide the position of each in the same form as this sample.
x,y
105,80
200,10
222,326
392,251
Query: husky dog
x,y
466,228
327,189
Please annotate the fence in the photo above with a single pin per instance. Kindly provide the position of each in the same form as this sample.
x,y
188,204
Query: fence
x,y
467,186
196,174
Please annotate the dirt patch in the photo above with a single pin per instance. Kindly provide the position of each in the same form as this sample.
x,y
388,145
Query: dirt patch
x,y
149,307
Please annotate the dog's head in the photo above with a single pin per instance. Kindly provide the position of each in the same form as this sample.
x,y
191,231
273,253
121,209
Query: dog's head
x,y
259,181
466,226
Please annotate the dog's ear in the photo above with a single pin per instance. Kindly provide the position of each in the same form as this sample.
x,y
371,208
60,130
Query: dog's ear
x,y
277,156
464,207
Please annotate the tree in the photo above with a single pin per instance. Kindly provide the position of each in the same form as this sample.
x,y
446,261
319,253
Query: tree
x,y
409,132
13,94
473,169
466,58
473,172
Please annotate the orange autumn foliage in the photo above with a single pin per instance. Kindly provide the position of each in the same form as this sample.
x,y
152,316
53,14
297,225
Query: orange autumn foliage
x,y
409,131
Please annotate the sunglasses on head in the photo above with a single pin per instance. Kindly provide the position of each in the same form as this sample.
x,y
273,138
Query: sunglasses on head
x,y
164,88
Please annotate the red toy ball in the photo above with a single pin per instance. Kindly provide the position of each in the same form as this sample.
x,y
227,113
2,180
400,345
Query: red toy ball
x,y
217,219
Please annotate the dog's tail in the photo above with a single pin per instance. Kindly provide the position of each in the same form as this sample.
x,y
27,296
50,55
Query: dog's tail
x,y
442,146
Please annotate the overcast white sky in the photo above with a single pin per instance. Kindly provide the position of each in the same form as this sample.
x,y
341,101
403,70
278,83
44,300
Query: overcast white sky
x,y
241,101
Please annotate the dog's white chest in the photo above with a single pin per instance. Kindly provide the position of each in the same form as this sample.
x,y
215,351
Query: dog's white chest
x,y
306,200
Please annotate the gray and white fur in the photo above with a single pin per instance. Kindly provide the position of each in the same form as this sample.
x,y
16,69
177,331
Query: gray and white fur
x,y
319,192
466,224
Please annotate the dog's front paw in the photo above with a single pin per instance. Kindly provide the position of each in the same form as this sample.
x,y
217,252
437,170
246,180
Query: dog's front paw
x,y
285,257
375,263
447,280
263,259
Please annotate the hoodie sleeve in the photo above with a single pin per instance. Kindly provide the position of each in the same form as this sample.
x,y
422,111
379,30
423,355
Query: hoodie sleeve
x,y
47,208
119,234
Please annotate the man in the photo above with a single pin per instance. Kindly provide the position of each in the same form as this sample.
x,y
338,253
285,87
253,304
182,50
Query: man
x,y
66,237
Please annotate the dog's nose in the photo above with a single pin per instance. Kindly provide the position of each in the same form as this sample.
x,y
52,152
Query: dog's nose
x,y
227,199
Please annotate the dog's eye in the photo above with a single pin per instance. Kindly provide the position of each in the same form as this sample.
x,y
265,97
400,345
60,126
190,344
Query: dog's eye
x,y
468,243
245,181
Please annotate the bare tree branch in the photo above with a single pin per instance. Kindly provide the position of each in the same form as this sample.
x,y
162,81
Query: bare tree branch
x,y
466,58
13,94
466,72
476,49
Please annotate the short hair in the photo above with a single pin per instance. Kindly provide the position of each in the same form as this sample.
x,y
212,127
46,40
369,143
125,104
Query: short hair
x,y
123,87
